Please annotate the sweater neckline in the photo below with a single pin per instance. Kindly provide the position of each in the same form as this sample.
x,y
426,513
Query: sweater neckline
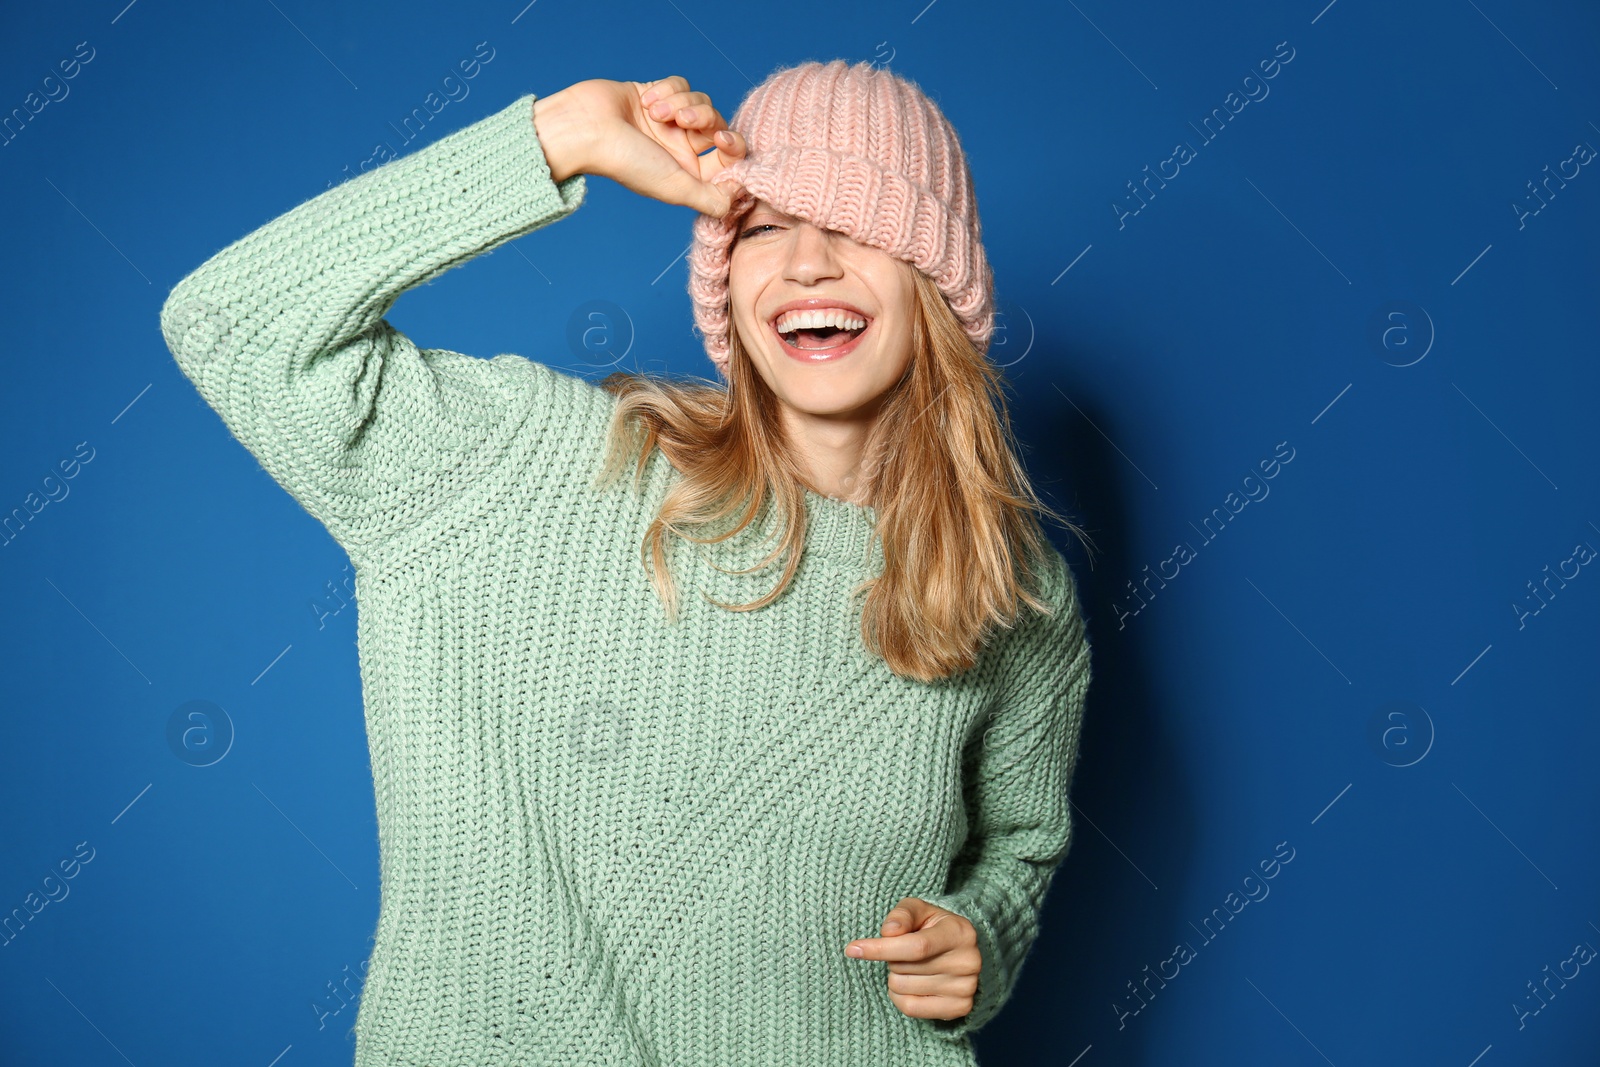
x,y
841,530
824,500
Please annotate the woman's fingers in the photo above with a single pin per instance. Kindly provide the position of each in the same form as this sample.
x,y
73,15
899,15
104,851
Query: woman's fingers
x,y
657,89
682,108
938,984
730,148
931,1007
702,124
701,121
662,100
693,113
658,151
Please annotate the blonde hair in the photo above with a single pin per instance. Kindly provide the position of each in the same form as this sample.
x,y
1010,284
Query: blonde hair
x,y
955,512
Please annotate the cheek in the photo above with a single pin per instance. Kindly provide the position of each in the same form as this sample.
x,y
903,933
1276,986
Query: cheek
x,y
896,346
743,289
739,308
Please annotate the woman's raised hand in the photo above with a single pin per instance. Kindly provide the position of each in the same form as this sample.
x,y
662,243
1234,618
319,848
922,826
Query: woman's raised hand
x,y
647,136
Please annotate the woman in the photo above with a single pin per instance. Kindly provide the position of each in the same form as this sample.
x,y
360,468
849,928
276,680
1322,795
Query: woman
x,y
617,826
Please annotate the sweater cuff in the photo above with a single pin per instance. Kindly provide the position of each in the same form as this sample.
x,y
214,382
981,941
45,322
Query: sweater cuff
x,y
509,137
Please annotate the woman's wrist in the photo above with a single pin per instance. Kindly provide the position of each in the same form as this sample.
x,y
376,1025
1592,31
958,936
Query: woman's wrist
x,y
559,136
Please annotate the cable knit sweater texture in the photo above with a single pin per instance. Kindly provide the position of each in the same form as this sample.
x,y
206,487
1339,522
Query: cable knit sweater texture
x,y
606,839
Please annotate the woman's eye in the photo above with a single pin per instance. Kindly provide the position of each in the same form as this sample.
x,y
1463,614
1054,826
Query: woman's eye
x,y
754,229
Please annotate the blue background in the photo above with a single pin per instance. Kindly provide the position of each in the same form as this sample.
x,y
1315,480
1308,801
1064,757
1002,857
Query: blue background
x,y
1351,266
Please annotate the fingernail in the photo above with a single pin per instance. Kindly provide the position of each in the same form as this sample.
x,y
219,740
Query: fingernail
x,y
853,950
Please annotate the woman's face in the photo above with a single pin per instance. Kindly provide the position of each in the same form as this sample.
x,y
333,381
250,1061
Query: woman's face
x,y
778,260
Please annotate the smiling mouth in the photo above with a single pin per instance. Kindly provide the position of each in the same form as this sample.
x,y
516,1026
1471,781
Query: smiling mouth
x,y
822,339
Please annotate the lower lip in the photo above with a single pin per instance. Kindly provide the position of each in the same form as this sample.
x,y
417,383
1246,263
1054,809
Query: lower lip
x,y
818,355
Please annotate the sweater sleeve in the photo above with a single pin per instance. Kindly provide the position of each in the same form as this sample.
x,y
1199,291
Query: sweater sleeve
x,y
282,332
1016,779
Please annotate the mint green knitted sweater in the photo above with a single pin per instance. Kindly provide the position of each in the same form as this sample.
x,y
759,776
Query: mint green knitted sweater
x,y
603,838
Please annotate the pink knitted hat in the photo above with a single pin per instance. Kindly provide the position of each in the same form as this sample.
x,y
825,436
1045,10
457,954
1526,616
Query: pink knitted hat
x,y
864,152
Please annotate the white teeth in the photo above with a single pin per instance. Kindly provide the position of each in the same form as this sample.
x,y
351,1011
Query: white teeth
x,y
815,320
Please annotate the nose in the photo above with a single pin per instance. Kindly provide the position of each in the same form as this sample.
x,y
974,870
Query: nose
x,y
812,255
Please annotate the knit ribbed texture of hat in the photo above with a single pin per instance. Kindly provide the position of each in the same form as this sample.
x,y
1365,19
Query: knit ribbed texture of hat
x,y
862,151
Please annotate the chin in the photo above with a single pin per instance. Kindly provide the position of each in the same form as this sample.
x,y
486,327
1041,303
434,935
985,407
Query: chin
x,y
828,387
827,398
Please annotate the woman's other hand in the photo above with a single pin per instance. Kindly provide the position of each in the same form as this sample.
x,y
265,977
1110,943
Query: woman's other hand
x,y
647,136
933,955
